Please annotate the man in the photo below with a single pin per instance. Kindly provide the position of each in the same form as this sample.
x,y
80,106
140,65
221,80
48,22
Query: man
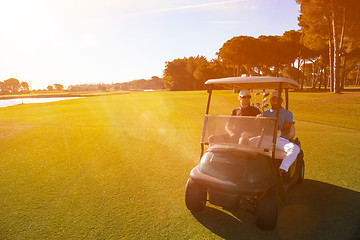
x,y
285,116
245,109
285,122
233,131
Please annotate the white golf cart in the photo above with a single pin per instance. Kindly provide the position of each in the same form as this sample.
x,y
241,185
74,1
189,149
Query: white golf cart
x,y
243,168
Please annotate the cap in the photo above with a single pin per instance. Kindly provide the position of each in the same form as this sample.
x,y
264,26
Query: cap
x,y
275,94
244,93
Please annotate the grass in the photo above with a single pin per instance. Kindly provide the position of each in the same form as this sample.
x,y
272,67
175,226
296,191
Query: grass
x,y
115,166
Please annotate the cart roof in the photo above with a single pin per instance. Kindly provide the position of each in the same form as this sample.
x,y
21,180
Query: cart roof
x,y
254,82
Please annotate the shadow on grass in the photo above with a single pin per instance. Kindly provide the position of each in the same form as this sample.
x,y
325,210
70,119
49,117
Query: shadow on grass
x,y
312,210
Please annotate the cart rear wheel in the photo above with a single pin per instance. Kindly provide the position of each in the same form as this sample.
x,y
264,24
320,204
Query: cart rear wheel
x,y
267,210
302,171
195,196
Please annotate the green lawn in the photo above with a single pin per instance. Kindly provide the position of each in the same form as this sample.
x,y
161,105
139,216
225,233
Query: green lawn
x,y
115,166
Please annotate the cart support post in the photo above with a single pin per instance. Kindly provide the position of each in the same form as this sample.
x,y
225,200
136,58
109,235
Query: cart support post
x,y
286,98
277,121
207,112
209,98
202,150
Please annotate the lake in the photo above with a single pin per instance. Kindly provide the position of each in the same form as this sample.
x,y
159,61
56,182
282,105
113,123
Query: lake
x,y
17,101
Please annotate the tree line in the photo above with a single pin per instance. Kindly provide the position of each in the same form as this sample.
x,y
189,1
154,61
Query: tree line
x,y
56,86
13,86
139,84
324,52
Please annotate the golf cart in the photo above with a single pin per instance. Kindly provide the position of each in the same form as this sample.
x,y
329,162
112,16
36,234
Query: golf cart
x,y
242,169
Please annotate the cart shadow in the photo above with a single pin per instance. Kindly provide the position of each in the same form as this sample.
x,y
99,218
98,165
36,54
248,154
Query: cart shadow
x,y
311,210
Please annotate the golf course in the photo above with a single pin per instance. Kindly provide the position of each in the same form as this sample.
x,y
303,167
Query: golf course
x,y
115,167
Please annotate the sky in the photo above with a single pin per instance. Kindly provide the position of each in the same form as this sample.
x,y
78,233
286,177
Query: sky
x,y
43,42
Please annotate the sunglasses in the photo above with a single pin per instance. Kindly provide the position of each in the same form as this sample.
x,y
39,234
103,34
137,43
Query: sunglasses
x,y
244,97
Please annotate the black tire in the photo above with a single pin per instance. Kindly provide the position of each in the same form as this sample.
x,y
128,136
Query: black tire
x,y
267,210
301,172
195,196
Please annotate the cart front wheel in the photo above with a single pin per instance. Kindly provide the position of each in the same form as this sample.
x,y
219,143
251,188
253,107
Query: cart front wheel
x,y
195,196
266,210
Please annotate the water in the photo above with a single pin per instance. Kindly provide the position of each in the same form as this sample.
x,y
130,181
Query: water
x,y
13,102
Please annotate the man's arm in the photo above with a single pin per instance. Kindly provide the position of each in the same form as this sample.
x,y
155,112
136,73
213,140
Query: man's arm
x,y
287,123
286,129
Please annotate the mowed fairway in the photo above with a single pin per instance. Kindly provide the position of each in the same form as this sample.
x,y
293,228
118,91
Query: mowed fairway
x,y
114,167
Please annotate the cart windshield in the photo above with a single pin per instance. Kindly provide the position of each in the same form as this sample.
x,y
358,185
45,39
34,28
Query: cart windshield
x,y
254,132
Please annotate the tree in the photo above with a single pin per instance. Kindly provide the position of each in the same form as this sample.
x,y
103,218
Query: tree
x,y
168,82
354,76
275,53
125,86
241,53
293,40
156,83
24,86
175,75
11,85
257,56
351,63
330,22
58,87
2,89
299,52
50,88
82,87
117,86
315,24
293,73
307,70
179,73
213,69
102,87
